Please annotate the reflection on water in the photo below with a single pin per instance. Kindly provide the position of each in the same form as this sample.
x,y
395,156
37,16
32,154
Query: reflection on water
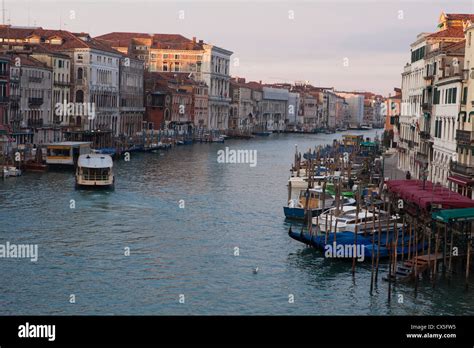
x,y
186,251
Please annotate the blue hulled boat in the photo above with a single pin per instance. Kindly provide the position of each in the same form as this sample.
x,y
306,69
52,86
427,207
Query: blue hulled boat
x,y
347,238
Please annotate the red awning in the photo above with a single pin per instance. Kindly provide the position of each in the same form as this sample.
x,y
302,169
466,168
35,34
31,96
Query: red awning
x,y
412,191
460,180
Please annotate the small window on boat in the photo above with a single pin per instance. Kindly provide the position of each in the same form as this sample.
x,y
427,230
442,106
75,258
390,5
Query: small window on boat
x,y
59,152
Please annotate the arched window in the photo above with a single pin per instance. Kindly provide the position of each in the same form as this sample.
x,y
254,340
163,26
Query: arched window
x,y
79,96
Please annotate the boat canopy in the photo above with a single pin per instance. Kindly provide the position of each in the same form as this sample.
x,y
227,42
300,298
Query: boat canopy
x,y
412,191
95,161
368,144
449,215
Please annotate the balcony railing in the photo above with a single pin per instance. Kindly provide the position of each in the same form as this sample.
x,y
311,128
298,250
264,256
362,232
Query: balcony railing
x,y
421,157
424,135
4,99
35,101
35,79
35,123
463,137
462,169
465,74
62,83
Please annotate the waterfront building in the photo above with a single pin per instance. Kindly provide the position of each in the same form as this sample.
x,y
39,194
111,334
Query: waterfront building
x,y
61,67
96,80
274,108
242,107
445,109
200,105
413,85
329,109
311,106
4,104
15,117
308,111
257,123
35,106
94,77
170,53
294,103
170,101
414,145
341,112
157,103
4,89
392,106
462,165
355,104
131,91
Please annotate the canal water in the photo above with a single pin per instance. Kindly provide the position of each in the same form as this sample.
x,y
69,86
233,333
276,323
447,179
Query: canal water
x,y
196,230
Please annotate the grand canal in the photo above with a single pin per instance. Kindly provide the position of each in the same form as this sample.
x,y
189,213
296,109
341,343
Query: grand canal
x,y
190,250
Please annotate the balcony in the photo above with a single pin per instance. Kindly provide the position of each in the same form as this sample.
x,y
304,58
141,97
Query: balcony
x,y
426,106
35,123
4,99
424,135
429,77
35,79
463,138
465,74
35,101
62,83
421,158
463,169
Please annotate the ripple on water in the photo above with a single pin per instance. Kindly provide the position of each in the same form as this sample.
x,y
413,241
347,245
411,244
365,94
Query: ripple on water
x,y
186,251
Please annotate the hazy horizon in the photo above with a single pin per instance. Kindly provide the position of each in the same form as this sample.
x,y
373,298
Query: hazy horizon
x,y
274,41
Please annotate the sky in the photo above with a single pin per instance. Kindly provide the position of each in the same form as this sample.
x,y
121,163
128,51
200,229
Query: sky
x,y
347,44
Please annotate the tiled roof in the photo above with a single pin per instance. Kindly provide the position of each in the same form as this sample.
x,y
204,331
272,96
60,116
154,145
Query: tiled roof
x,y
70,40
255,85
47,49
451,32
456,46
27,60
163,41
459,16
171,78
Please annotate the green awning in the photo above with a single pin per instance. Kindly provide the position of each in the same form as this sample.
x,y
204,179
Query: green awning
x,y
368,143
448,215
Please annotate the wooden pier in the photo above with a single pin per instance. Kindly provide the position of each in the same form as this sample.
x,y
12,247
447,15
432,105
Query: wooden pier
x,y
414,266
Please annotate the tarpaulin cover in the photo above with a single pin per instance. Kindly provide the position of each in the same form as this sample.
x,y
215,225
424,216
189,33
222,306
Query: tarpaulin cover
x,y
412,191
453,214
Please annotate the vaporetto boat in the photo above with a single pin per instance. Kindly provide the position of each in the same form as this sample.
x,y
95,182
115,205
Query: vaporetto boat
x,y
95,171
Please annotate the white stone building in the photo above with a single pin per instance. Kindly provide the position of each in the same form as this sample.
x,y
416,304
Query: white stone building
x,y
215,73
